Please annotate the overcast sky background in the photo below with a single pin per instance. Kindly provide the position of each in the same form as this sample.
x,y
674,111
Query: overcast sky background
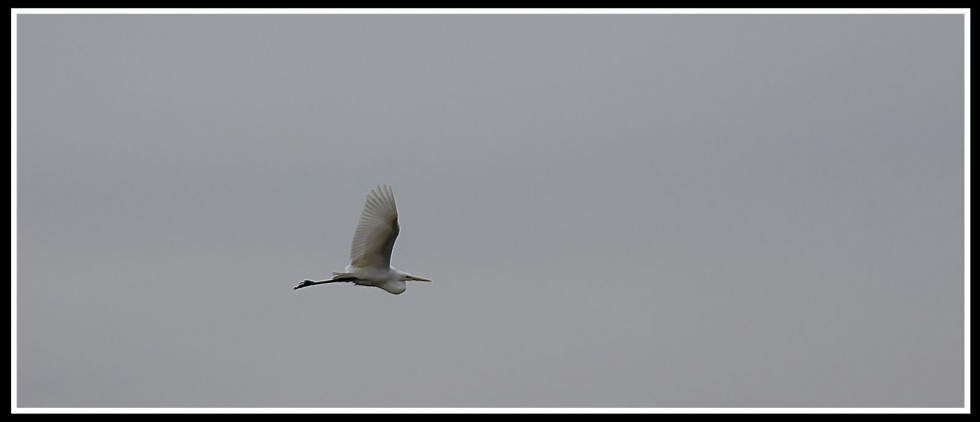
x,y
639,210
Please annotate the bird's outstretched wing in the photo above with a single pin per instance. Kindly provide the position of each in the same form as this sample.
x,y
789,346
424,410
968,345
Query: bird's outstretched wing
x,y
376,231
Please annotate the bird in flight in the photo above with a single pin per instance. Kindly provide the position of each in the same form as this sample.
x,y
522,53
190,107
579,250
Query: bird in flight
x,y
370,251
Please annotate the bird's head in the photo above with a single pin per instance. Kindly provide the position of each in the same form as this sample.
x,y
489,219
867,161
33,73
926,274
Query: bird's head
x,y
406,276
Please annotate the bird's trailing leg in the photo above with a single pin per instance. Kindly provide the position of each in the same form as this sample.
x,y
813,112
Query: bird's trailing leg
x,y
307,283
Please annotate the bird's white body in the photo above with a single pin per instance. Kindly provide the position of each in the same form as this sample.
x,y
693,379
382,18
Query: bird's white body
x,y
390,280
370,251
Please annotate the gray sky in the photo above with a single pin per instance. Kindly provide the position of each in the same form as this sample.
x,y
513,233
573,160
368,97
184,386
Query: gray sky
x,y
642,211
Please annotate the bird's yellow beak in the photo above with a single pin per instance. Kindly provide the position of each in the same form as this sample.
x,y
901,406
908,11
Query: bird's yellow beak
x,y
412,277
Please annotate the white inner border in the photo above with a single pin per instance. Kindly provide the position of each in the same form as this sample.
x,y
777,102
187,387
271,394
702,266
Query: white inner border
x,y
13,208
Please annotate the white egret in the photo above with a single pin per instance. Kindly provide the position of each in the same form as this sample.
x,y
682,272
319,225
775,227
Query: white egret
x,y
370,251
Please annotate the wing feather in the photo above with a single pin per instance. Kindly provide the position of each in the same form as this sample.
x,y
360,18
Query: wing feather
x,y
376,231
